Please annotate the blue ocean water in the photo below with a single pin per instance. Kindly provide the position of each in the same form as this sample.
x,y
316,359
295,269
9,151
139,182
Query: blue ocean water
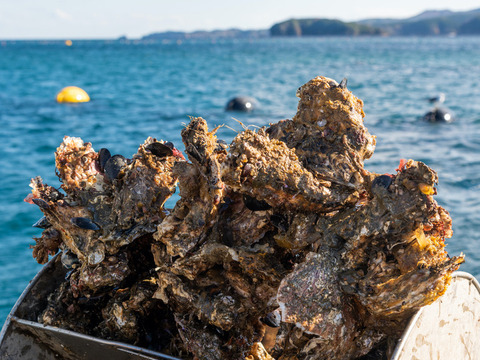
x,y
140,90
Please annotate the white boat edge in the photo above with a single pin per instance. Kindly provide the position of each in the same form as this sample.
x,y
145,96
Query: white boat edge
x,y
404,349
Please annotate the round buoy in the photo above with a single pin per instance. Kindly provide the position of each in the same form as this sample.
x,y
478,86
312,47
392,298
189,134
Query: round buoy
x,y
72,94
241,103
68,42
439,115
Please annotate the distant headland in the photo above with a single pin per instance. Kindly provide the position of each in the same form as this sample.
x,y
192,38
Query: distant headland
x,y
428,23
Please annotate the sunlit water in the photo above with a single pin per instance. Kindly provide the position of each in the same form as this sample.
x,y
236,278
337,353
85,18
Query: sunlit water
x,y
141,90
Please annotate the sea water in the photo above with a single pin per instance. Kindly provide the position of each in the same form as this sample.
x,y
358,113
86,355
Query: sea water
x,y
150,89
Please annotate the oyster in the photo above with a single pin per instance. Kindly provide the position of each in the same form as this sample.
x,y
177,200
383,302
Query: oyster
x,y
100,212
282,245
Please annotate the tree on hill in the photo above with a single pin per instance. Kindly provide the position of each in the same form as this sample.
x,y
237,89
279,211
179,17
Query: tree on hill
x,y
287,28
471,27
437,26
321,27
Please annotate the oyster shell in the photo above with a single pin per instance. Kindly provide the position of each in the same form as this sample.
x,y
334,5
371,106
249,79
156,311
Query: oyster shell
x,y
282,245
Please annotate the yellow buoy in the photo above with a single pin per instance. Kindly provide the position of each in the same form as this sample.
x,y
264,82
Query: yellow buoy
x,y
68,42
72,94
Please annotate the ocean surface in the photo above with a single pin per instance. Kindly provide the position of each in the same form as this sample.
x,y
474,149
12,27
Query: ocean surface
x,y
139,90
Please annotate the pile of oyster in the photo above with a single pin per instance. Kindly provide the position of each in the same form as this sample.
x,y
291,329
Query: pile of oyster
x,y
282,246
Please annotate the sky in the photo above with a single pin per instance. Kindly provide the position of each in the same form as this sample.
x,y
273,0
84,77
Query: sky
x,y
109,19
